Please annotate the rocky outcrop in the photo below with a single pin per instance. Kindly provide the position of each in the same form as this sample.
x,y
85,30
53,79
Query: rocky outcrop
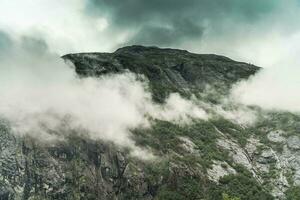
x,y
278,169
293,142
218,170
239,155
74,168
276,136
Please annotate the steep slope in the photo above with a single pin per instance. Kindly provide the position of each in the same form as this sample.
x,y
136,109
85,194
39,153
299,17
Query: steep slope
x,y
209,159
168,70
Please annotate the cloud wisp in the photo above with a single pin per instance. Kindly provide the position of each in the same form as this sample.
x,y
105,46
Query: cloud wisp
x,y
41,96
272,88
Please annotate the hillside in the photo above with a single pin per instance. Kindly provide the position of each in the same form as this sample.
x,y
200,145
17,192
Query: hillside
x,y
214,158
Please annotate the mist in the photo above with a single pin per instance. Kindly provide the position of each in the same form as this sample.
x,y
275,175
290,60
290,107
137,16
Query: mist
x,y
41,96
275,88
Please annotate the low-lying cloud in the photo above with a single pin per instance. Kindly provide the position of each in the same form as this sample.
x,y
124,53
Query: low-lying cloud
x,y
274,88
41,96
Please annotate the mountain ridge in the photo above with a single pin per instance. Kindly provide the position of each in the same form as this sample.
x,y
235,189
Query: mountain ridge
x,y
172,69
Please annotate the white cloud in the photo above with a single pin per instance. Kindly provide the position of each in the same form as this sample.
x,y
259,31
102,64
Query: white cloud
x,y
42,96
178,110
62,24
272,88
241,115
277,85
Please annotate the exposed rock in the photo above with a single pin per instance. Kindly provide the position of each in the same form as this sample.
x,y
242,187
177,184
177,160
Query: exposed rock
x,y
291,161
297,177
264,162
267,156
169,70
293,142
280,186
218,170
188,145
236,152
276,136
251,146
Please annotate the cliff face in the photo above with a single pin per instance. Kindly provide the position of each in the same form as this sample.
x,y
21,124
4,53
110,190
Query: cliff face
x,y
168,70
206,159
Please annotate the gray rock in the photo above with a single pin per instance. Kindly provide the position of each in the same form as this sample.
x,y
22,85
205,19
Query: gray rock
x,y
238,154
252,145
182,71
188,145
296,177
267,156
218,170
293,142
276,136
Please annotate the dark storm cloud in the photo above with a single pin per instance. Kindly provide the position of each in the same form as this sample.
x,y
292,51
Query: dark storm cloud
x,y
162,35
170,22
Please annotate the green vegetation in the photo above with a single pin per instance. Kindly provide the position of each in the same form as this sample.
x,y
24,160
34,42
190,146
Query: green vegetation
x,y
227,197
242,187
293,193
178,185
164,138
234,130
181,188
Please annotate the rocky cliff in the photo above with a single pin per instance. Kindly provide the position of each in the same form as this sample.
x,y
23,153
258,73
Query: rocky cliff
x,y
217,158
168,70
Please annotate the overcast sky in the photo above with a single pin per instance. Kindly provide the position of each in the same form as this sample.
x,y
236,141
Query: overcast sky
x,y
263,32
34,33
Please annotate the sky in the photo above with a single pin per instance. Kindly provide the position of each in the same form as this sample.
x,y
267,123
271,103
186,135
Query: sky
x,y
38,90
265,33
261,32
42,96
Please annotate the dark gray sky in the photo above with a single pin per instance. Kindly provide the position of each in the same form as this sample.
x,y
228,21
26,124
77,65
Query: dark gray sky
x,y
255,31
172,22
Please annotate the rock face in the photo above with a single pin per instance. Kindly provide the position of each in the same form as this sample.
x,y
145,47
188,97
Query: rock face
x,y
276,136
293,142
200,160
168,70
219,170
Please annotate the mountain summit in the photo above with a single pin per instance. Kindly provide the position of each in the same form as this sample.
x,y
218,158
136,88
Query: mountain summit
x,y
168,70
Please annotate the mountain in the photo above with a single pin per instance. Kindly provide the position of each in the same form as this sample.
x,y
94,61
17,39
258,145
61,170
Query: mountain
x,y
217,158
168,70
